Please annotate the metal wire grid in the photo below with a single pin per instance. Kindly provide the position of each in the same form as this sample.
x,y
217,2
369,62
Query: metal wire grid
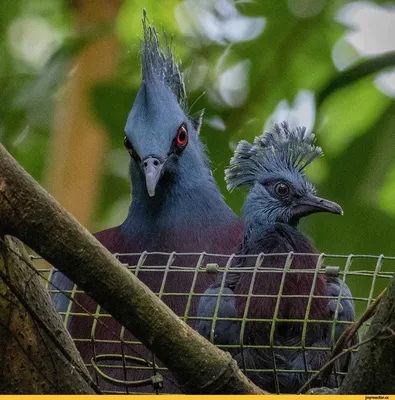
x,y
116,355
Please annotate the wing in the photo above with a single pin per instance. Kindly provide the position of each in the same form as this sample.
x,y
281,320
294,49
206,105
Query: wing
x,y
346,308
226,332
346,312
59,282
313,360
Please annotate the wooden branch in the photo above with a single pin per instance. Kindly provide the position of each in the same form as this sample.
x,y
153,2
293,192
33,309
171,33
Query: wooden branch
x,y
32,215
374,368
37,355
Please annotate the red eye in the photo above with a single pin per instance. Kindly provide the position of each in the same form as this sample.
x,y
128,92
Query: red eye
x,y
182,136
127,143
130,149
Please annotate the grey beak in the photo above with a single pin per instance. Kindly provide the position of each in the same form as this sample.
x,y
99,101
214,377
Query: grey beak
x,y
152,169
313,204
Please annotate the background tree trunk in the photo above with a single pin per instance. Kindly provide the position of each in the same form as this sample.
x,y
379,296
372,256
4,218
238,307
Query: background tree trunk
x,y
79,143
37,354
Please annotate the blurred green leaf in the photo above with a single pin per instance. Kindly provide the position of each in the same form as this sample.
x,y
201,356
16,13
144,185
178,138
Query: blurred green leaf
x,y
353,121
348,113
112,104
356,73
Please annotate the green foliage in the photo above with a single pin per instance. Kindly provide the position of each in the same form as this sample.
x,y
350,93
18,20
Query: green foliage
x,y
353,122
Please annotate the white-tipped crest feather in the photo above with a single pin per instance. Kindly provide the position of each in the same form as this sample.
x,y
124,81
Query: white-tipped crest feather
x,y
282,147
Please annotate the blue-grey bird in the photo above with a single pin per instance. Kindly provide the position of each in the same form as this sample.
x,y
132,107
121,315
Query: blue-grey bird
x,y
280,195
176,206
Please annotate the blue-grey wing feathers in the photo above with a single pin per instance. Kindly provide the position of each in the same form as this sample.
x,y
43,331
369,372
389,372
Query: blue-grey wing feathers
x,y
225,332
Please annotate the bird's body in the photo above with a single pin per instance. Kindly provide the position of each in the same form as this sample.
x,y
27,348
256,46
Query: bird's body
x,y
188,237
281,238
280,196
176,207
216,230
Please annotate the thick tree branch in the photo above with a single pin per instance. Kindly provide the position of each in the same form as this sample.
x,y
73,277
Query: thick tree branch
x,y
37,355
30,214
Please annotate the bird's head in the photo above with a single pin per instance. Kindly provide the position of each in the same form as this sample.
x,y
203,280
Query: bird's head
x,y
274,166
160,136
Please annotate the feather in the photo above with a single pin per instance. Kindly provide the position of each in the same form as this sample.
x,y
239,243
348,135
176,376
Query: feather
x,y
282,147
160,63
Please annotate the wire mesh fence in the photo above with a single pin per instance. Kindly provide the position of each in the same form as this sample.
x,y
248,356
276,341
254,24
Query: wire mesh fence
x,y
121,364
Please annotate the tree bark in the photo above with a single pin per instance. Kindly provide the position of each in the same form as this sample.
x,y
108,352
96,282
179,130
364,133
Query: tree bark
x,y
30,214
374,369
37,355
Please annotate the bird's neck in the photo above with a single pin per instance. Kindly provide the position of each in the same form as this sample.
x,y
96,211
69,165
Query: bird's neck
x,y
259,217
264,234
187,201
258,221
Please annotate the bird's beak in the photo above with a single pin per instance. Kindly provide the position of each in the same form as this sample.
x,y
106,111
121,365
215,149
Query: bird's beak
x,y
313,204
152,169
